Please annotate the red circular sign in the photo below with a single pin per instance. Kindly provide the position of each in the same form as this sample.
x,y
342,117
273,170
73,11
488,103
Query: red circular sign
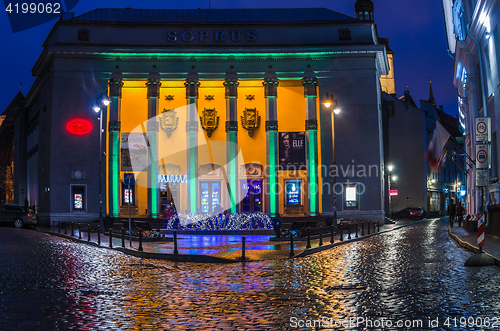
x,y
79,126
481,127
482,156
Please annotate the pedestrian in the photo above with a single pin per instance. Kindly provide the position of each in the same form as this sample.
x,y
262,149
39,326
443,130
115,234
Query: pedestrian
x,y
277,225
460,213
168,212
451,212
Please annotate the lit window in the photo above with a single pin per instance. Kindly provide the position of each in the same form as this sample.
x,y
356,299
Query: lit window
x,y
351,197
293,192
78,202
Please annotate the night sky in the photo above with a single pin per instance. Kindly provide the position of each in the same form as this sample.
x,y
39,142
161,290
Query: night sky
x,y
415,30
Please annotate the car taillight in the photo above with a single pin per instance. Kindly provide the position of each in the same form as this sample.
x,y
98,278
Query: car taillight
x,y
29,215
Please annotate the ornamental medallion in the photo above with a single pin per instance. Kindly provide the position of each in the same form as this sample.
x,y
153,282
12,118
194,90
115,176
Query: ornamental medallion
x,y
169,121
209,121
250,120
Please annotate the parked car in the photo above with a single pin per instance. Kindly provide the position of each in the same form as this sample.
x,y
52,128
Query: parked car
x,y
404,213
416,212
18,215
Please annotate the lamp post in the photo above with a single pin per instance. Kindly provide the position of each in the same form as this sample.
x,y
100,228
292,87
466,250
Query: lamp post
x,y
389,169
328,102
102,101
392,178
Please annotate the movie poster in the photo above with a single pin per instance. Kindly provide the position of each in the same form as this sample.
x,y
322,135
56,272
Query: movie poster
x,y
292,150
134,152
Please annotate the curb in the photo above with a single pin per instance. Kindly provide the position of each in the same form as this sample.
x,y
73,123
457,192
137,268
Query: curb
x,y
470,247
214,259
148,255
338,243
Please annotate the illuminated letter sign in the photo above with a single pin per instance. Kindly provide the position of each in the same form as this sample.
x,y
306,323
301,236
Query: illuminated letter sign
x,y
79,126
213,35
393,193
172,178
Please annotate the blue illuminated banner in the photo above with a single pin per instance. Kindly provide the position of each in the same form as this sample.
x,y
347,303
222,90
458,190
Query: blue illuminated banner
x,y
292,192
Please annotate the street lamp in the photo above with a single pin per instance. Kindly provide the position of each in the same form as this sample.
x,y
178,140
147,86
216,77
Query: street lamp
x,y
330,101
101,103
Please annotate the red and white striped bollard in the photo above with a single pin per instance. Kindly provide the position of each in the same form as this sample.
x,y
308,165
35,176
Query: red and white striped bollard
x,y
480,231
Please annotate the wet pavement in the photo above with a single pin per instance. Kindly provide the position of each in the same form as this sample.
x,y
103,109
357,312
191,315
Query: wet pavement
x,y
413,276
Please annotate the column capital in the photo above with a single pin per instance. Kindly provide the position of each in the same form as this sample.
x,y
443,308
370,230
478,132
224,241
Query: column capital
x,y
311,124
272,125
191,126
192,85
231,85
115,87
114,125
153,85
153,126
270,86
310,86
231,126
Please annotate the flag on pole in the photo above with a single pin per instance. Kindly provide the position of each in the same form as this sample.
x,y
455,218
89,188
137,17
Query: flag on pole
x,y
436,150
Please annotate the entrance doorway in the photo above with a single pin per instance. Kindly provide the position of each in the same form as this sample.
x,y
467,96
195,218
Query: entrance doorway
x,y
169,194
210,196
252,202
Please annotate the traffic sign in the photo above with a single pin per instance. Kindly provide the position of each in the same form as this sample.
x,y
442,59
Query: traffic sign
x,y
129,179
481,177
483,132
482,156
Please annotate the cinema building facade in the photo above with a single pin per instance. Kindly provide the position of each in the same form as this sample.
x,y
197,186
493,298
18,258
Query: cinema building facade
x,y
208,109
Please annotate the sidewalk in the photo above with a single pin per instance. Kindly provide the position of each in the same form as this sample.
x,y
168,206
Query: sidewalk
x,y
219,248
468,240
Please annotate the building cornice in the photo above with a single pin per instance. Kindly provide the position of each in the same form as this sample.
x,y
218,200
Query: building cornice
x,y
231,56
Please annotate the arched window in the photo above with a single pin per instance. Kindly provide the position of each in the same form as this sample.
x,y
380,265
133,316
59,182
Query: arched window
x,y
367,16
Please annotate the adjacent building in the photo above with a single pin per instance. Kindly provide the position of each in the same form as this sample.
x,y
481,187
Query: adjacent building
x,y
7,149
412,182
472,29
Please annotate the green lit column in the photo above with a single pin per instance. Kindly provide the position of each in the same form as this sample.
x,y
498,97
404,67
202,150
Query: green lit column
x,y
153,95
115,95
192,83
271,93
310,94
231,85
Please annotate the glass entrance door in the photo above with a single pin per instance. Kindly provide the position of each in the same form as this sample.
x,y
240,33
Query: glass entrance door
x,y
253,198
169,194
210,196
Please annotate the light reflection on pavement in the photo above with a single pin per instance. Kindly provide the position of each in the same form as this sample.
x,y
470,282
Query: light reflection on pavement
x,y
413,273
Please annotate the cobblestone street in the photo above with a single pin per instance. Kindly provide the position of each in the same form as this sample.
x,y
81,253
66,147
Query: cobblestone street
x,y
412,274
